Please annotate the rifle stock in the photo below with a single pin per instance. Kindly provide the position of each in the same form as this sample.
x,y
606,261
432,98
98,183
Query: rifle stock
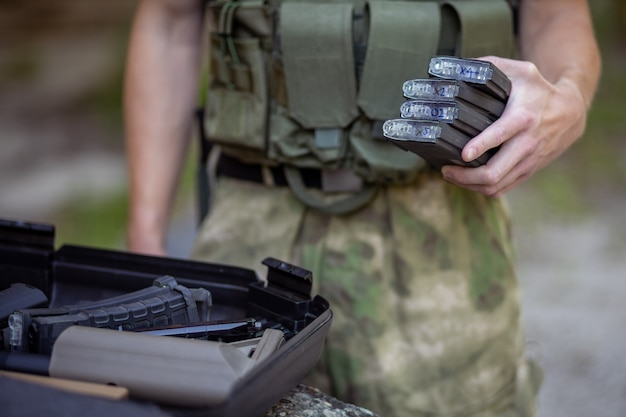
x,y
168,370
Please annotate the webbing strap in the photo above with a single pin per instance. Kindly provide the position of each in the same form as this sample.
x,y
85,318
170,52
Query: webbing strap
x,y
343,205
403,36
316,44
486,28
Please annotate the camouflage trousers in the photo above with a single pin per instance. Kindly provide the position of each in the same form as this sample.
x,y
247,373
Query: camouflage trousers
x,y
421,283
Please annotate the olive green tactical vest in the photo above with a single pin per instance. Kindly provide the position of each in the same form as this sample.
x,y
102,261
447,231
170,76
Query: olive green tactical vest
x,y
308,84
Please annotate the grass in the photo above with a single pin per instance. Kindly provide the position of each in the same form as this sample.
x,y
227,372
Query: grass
x,y
93,221
22,66
100,221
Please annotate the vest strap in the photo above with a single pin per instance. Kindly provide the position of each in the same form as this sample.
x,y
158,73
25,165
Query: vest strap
x,y
342,205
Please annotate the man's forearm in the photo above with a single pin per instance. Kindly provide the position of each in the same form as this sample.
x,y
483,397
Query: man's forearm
x,y
160,95
557,36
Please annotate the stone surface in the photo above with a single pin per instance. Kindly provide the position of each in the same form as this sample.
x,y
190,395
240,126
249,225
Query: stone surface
x,y
307,401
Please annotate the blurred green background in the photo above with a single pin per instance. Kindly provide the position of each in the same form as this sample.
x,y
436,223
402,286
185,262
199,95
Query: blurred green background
x,y
62,162
61,133
61,71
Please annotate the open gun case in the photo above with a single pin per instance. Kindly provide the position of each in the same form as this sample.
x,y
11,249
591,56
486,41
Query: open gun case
x,y
186,338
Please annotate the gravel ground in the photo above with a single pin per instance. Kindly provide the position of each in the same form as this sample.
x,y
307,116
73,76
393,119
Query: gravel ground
x,y
572,278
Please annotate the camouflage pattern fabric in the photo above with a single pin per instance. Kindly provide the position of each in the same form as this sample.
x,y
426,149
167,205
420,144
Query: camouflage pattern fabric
x,y
421,283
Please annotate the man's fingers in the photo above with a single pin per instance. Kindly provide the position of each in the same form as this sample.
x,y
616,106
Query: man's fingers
x,y
510,124
503,170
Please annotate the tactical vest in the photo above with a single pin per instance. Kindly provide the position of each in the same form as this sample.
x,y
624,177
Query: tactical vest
x,y
307,84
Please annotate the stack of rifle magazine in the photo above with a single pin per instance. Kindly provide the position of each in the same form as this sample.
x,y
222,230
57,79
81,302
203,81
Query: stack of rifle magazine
x,y
442,113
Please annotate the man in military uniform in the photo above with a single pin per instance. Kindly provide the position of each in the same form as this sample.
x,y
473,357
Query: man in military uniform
x,y
417,264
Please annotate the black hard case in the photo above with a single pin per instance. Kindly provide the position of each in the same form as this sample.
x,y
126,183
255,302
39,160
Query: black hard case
x,y
75,274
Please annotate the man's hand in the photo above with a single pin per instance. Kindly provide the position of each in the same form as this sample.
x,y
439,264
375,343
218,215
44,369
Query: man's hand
x,y
540,122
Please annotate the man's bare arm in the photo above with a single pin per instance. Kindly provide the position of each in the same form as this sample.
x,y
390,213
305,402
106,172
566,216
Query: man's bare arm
x,y
160,94
552,89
